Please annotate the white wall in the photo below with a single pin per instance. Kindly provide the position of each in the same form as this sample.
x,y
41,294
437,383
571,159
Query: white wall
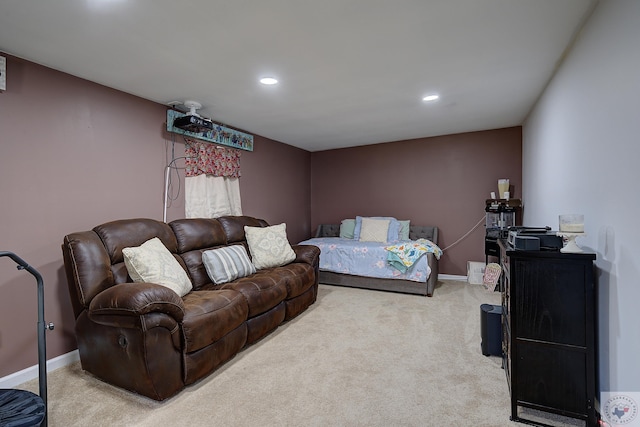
x,y
581,152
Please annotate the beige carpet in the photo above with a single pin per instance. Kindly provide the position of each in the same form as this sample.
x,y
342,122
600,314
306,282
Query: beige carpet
x,y
354,358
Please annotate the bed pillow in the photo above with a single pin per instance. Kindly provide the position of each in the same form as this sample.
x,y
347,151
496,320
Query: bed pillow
x,y
226,264
347,226
394,228
152,262
403,234
374,230
269,246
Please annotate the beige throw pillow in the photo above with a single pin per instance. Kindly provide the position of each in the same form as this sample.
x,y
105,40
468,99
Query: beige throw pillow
x,y
374,230
152,262
269,246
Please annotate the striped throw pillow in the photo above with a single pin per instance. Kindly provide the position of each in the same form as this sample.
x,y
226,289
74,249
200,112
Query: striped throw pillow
x,y
226,264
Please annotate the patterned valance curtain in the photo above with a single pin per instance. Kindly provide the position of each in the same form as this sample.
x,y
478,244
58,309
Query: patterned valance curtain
x,y
212,186
209,159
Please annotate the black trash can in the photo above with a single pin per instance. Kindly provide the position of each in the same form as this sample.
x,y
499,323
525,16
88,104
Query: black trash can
x,y
491,329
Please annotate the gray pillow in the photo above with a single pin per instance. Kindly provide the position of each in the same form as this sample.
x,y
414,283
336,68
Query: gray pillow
x,y
346,228
226,264
404,230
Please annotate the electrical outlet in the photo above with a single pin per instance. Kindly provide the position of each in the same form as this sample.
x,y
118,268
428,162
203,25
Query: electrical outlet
x,y
3,73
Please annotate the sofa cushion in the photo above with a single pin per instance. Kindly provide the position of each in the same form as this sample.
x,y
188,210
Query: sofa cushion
x,y
262,290
152,262
226,264
269,246
298,277
210,315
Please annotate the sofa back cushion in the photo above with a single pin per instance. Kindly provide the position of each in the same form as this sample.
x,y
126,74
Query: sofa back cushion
x,y
94,260
234,226
194,236
125,233
198,233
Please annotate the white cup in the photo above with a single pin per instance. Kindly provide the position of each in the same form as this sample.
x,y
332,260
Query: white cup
x,y
506,195
503,187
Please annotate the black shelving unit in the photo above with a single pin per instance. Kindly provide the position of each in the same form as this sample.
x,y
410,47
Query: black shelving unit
x,y
500,214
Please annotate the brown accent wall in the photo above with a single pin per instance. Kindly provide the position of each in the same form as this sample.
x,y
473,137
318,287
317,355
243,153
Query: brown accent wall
x,y
275,186
74,154
441,181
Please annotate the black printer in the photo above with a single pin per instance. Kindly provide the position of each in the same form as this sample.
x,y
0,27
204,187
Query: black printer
x,y
534,239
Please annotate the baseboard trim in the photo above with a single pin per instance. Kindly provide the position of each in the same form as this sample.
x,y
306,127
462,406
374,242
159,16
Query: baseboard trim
x,y
452,277
28,374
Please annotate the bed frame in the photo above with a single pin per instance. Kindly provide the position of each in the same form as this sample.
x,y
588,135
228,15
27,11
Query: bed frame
x,y
392,285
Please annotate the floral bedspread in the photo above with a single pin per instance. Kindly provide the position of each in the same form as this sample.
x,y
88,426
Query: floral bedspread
x,y
368,259
404,254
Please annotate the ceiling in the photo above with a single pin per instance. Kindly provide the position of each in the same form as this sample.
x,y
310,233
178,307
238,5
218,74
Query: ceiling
x,y
351,72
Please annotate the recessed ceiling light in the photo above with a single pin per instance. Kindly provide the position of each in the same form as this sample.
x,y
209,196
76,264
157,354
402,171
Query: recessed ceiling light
x,y
431,98
102,3
268,81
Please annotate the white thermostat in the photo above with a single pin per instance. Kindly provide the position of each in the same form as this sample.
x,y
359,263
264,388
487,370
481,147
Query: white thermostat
x,y
3,73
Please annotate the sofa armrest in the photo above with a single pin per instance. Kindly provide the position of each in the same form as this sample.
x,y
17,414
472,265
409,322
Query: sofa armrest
x,y
136,299
308,254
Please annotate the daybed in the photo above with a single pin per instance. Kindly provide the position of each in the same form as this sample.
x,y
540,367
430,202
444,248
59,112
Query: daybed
x,y
424,285
145,337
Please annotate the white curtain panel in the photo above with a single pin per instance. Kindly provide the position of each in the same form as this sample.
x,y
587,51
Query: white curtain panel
x,y
208,196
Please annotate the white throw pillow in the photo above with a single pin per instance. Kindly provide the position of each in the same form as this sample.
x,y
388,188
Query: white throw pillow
x,y
226,264
374,230
152,262
269,246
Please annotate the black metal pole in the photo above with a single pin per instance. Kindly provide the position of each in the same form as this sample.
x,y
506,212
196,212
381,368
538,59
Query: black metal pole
x,y
42,342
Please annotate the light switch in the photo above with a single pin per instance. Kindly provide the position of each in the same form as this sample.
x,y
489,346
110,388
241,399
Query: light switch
x,y
3,73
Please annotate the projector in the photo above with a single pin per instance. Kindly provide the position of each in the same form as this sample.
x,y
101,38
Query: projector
x,y
193,124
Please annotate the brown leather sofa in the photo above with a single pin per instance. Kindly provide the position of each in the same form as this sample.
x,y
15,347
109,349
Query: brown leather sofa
x,y
145,338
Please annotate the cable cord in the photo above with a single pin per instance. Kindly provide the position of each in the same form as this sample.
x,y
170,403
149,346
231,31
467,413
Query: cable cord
x,y
466,234
170,195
